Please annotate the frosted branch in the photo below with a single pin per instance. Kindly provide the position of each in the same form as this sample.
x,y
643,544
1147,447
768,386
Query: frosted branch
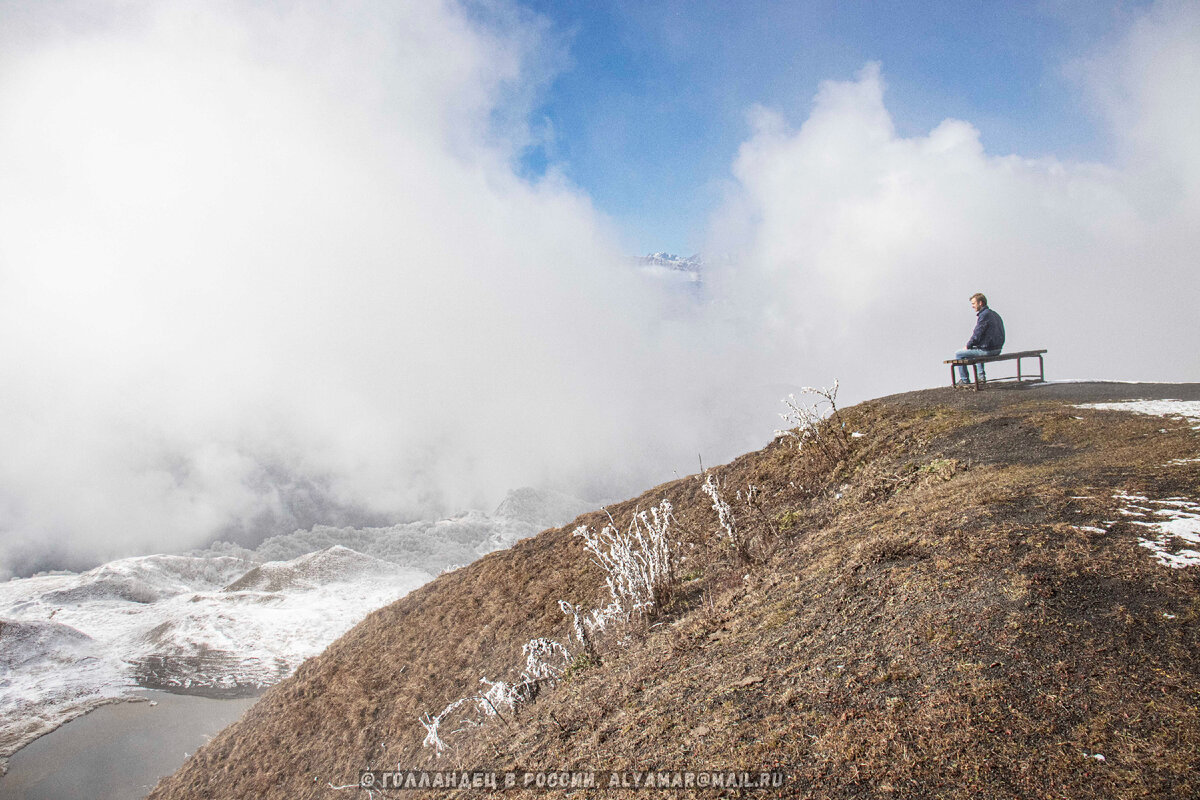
x,y
639,563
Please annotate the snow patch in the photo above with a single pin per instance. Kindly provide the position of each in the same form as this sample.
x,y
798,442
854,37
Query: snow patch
x,y
1172,525
1179,409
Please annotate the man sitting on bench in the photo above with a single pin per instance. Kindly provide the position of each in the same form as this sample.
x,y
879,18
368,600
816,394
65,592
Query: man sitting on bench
x,y
986,340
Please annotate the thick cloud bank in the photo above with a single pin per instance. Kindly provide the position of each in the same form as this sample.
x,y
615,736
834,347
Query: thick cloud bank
x,y
255,258
860,247
270,265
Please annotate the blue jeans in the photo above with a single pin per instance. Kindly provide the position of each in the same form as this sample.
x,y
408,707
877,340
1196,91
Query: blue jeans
x,y
973,353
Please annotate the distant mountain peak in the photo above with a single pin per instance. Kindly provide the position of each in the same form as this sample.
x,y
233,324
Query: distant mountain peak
x,y
691,263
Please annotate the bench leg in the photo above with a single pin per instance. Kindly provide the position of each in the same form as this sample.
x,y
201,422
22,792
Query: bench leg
x,y
1018,370
975,367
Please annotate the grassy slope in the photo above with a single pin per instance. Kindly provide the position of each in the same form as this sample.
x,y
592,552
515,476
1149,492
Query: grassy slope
x,y
924,618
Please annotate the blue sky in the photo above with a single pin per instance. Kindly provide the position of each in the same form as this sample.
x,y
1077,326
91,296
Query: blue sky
x,y
650,106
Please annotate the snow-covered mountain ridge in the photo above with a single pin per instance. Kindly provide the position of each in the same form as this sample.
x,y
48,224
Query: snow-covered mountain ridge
x,y
226,620
693,262
671,266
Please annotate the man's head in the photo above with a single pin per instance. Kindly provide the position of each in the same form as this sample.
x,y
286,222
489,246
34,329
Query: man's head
x,y
978,301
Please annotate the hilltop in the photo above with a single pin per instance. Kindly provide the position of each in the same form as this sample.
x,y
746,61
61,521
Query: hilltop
x,y
970,595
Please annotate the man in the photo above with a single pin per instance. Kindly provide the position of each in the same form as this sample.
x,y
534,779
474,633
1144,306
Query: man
x,y
986,340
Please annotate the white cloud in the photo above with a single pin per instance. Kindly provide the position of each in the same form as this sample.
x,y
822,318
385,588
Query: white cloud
x,y
861,247
1144,86
246,249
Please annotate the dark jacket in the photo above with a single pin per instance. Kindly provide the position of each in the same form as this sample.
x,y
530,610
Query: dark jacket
x,y
989,331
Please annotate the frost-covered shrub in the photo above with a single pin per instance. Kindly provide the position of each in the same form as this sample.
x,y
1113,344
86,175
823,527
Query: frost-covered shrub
x,y
805,422
583,624
540,657
431,725
724,512
731,535
639,563
545,661
499,695
598,619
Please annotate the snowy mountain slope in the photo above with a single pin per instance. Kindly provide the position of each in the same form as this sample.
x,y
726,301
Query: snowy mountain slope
x,y
49,673
428,545
226,620
70,642
309,571
147,579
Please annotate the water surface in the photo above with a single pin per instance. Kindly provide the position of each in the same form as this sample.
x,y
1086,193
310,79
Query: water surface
x,y
118,751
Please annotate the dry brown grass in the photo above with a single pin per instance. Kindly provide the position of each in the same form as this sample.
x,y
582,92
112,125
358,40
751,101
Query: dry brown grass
x,y
923,618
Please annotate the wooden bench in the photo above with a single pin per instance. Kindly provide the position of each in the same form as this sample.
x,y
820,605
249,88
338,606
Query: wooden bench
x,y
974,363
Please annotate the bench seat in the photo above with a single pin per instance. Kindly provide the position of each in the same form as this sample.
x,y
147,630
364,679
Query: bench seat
x,y
975,361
